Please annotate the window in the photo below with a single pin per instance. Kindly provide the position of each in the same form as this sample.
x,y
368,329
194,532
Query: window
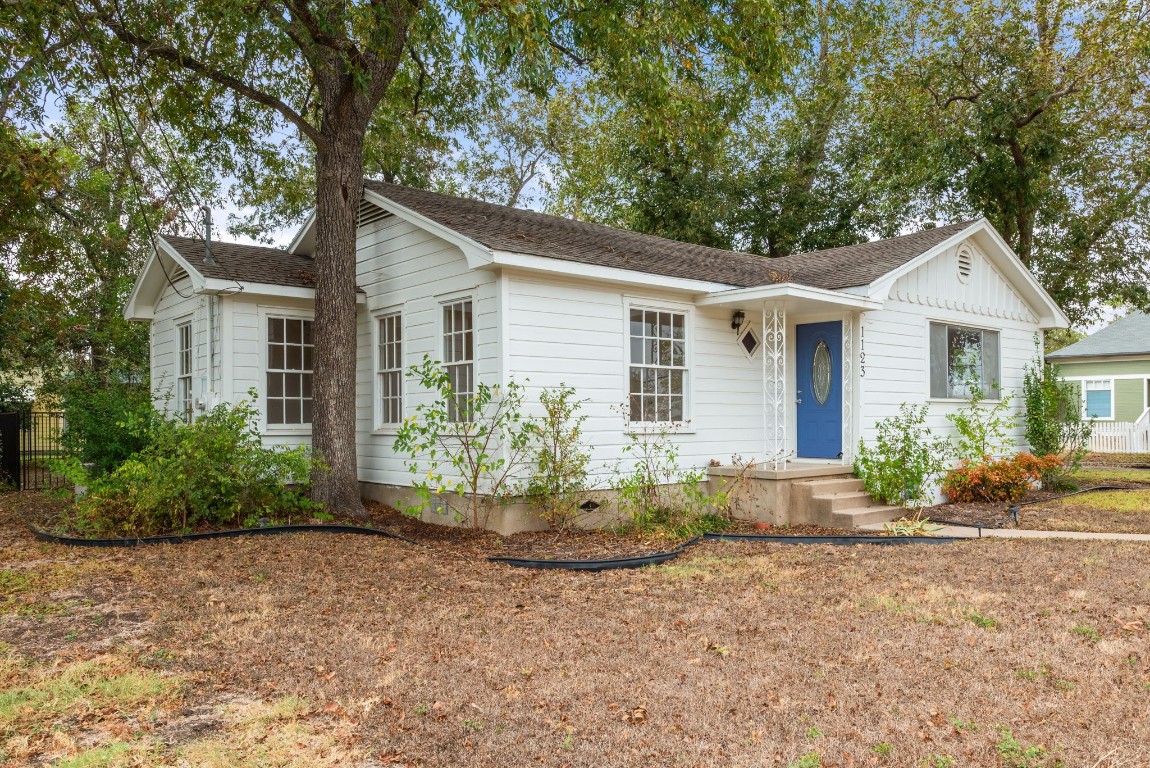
x,y
290,350
459,357
960,358
184,370
1098,399
658,372
390,364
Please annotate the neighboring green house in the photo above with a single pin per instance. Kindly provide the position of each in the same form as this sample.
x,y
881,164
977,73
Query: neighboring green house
x,y
1112,369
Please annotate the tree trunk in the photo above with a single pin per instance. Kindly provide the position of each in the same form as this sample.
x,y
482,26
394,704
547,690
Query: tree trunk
x,y
339,183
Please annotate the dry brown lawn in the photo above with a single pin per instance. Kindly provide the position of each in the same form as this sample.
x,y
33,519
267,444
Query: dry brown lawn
x,y
342,650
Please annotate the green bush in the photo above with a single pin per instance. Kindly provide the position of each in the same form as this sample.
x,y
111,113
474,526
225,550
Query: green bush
x,y
211,473
106,420
983,429
654,492
471,449
905,458
559,473
1053,422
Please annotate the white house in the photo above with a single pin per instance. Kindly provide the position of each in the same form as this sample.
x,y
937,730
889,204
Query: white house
x,y
790,361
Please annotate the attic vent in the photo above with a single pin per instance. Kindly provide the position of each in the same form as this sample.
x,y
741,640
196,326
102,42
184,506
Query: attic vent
x,y
965,264
178,274
369,213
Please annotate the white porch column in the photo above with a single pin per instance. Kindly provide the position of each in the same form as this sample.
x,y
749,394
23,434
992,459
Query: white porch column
x,y
848,387
774,332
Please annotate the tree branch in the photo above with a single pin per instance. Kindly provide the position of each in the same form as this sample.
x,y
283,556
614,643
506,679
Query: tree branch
x,y
167,52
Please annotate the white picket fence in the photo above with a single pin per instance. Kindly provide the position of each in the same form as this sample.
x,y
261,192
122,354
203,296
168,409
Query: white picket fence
x,y
1122,436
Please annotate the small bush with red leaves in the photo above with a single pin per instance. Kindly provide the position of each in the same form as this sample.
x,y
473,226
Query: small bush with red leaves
x,y
996,479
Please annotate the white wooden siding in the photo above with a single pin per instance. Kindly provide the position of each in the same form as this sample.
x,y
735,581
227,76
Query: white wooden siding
x,y
177,305
896,338
576,333
401,267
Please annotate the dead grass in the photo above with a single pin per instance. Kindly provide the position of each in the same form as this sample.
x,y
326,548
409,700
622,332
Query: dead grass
x,y
1116,459
734,655
1100,511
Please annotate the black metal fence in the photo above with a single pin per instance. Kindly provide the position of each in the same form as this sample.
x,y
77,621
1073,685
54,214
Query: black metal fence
x,y
29,441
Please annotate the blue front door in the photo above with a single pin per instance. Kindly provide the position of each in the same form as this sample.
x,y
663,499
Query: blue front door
x,y
819,378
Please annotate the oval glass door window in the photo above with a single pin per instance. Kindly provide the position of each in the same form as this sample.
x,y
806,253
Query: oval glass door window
x,y
821,372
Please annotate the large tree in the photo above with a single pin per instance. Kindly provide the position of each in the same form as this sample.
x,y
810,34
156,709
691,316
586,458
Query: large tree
x,y
1034,113
245,70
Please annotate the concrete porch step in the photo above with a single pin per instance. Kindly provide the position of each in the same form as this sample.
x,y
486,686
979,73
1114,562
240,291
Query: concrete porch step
x,y
844,500
859,516
832,485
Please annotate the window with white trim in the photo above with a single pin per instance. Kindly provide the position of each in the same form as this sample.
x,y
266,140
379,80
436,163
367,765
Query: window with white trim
x,y
1098,399
962,358
459,357
390,362
290,352
657,380
184,370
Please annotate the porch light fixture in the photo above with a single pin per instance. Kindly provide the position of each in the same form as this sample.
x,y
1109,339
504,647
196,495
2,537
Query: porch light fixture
x,y
737,320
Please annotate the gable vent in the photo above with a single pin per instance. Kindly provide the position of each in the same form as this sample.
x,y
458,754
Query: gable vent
x,y
369,213
178,274
965,264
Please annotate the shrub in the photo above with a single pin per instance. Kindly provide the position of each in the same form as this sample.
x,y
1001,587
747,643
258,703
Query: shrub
x,y
559,475
106,420
1005,480
1053,421
655,492
904,459
212,472
983,429
476,458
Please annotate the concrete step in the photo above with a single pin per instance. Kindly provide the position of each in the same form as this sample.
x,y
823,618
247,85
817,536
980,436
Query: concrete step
x,y
853,518
835,502
833,485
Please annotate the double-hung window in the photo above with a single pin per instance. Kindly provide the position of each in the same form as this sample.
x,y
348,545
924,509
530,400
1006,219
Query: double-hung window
x,y
184,370
290,351
961,359
459,357
1098,398
657,380
390,363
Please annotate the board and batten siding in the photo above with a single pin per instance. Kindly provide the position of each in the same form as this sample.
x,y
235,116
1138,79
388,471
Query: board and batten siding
x,y
403,268
896,339
574,333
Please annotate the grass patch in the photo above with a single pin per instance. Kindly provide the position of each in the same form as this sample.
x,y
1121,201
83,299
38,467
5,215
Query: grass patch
x,y
1098,511
1103,475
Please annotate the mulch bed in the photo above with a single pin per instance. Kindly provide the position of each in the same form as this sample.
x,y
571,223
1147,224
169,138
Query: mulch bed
x,y
745,526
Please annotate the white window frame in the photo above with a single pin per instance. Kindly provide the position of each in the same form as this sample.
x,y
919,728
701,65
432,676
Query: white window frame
x,y
992,389
441,342
688,314
377,320
1109,388
264,314
185,397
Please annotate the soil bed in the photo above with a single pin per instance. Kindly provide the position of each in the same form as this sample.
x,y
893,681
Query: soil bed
x,y
744,526
1133,460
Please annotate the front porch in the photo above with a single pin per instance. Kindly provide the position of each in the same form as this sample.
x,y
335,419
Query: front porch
x,y
812,371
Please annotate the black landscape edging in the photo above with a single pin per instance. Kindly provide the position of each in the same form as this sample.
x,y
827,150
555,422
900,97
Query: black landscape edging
x,y
597,565
838,540
76,541
1075,493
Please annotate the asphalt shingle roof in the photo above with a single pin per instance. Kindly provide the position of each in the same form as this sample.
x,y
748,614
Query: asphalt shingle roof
x,y
500,227
1129,335
247,263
